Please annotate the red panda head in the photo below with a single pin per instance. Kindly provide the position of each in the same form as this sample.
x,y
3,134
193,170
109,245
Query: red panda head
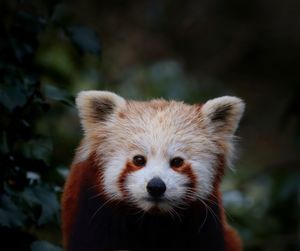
x,y
157,154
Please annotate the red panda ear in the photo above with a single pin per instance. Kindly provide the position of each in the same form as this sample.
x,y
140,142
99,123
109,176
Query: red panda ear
x,y
222,115
97,106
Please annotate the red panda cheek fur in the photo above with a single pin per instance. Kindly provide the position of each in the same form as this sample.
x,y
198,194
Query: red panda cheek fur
x,y
129,168
187,170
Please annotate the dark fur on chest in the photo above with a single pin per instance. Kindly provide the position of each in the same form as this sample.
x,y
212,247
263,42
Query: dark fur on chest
x,y
120,228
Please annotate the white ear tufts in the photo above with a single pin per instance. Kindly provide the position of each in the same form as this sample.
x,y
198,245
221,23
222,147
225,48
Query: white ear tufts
x,y
222,115
97,106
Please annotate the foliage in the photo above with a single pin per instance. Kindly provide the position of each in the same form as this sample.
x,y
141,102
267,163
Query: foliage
x,y
30,184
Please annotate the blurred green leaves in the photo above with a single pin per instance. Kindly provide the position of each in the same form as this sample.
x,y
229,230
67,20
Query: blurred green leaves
x,y
265,208
167,79
53,93
39,148
84,38
44,246
10,215
44,199
15,93
30,182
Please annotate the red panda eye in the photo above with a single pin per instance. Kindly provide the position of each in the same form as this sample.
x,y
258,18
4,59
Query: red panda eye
x,y
139,160
176,162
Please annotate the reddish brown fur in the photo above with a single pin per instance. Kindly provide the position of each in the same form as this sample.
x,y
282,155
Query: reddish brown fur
x,y
232,239
129,168
82,174
122,115
187,170
220,170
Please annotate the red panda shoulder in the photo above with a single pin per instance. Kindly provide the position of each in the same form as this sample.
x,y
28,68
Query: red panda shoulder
x,y
83,175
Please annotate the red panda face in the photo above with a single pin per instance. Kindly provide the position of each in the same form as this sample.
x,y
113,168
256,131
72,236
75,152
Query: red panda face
x,y
159,154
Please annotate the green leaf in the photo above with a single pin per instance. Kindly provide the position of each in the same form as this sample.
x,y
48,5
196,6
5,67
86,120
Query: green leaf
x,y
21,49
44,246
63,171
16,88
12,95
10,214
46,199
84,38
39,148
54,93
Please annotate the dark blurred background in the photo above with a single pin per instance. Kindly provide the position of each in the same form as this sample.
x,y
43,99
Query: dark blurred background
x,y
187,50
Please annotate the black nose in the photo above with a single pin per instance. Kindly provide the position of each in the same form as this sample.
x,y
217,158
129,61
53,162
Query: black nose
x,y
156,187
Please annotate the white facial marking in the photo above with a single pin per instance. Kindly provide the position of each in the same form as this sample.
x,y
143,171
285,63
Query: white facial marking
x,y
175,182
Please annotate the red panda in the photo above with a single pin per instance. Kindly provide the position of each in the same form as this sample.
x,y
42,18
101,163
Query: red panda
x,y
147,175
